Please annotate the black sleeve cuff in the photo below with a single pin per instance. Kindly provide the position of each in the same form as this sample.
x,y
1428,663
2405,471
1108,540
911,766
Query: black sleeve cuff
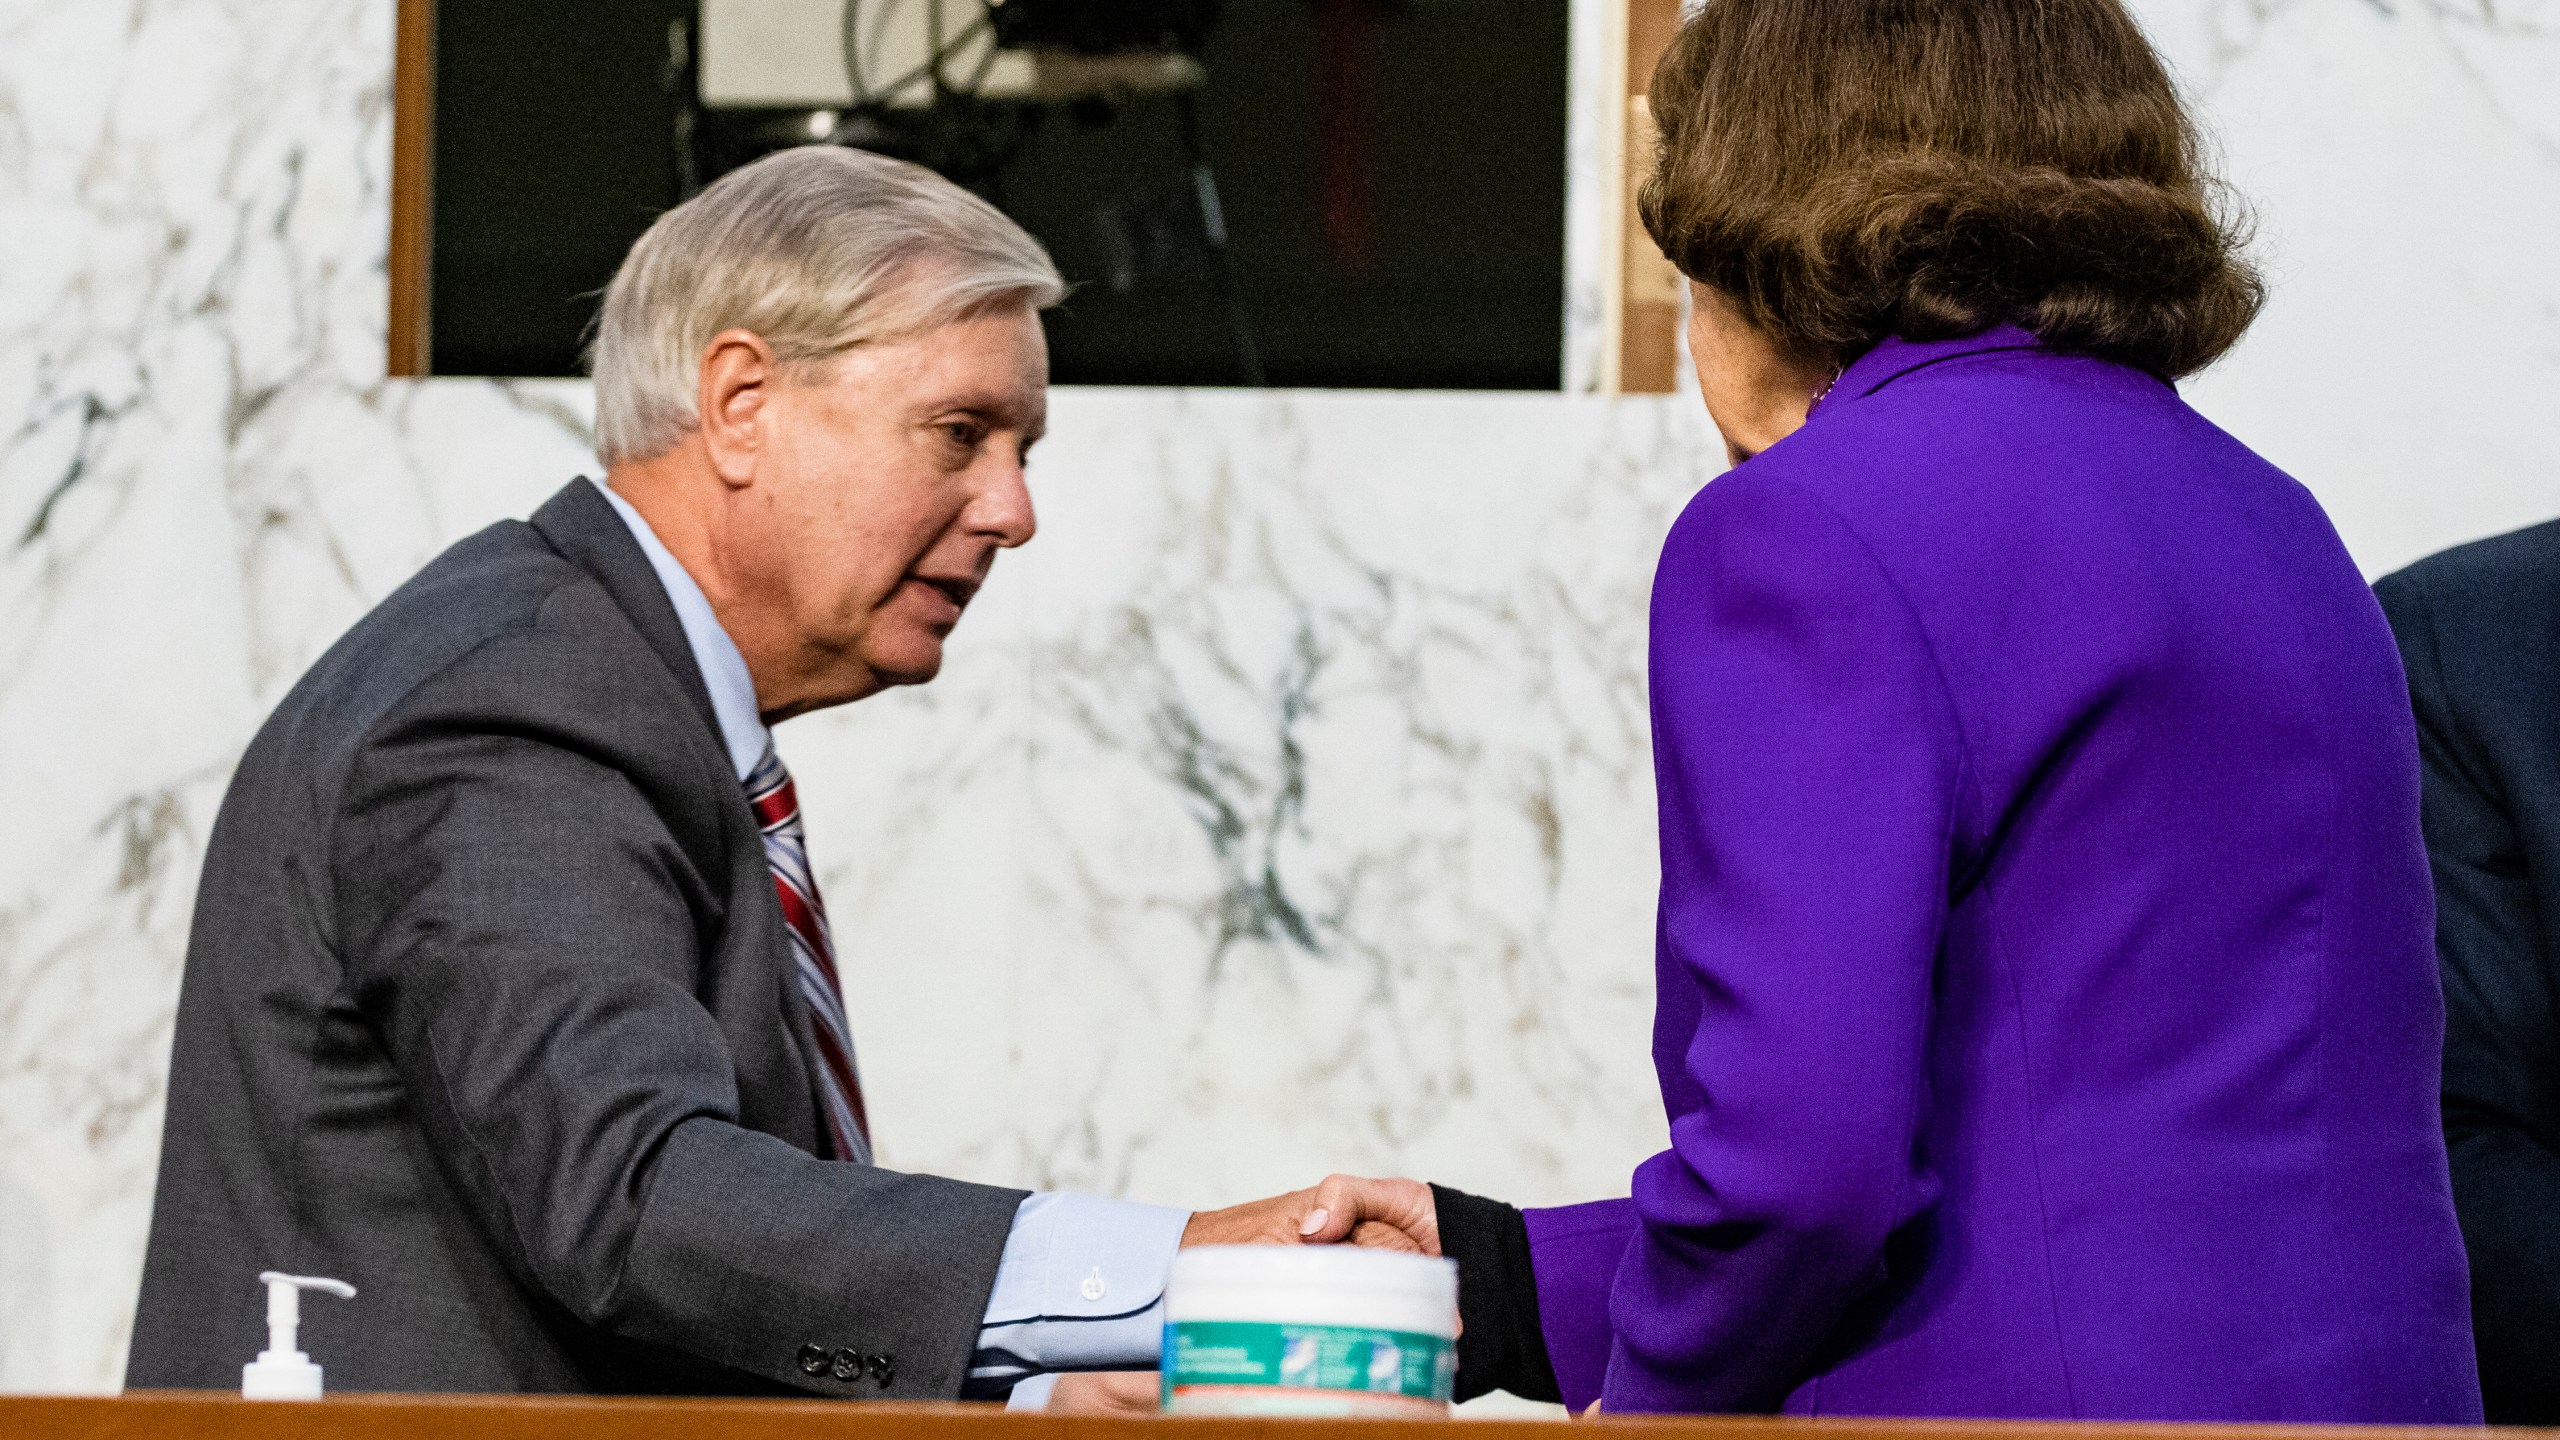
x,y
1501,1345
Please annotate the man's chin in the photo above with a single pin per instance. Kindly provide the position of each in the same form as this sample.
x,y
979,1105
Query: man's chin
x,y
909,664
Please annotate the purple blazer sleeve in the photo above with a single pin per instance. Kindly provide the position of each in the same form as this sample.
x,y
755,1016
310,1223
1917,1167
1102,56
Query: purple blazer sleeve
x,y
1808,767
1574,1252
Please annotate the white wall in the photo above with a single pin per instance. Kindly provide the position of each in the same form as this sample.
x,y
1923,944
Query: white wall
x,y
2404,159
1397,637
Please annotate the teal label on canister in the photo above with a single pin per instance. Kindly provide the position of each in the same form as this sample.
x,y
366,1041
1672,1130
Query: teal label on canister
x,y
1308,1357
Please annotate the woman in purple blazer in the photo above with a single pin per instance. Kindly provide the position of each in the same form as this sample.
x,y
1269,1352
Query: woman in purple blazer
x,y
2047,1015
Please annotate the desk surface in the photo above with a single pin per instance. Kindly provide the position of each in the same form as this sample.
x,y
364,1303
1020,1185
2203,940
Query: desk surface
x,y
170,1416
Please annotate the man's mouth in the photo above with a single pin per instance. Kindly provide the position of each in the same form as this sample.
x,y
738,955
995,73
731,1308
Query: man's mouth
x,y
955,591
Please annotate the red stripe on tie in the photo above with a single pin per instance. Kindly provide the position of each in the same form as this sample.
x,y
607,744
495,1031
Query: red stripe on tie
x,y
777,812
841,1065
804,923
776,805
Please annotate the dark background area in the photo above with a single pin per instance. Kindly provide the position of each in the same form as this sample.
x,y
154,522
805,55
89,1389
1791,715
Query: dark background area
x,y
1391,174
554,149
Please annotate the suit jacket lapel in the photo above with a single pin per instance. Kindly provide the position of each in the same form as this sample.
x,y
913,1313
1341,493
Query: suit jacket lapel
x,y
581,524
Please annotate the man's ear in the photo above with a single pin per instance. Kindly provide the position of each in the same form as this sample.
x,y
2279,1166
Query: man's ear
x,y
738,372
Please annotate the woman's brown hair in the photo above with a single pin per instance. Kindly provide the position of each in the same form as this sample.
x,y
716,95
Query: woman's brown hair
x,y
1851,169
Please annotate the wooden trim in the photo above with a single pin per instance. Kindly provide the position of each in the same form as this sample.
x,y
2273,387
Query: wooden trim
x,y
1649,289
168,1415
1650,26
172,1415
413,127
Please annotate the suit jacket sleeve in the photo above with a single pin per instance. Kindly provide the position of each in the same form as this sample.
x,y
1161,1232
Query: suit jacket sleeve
x,y
2502,1045
1808,769
527,938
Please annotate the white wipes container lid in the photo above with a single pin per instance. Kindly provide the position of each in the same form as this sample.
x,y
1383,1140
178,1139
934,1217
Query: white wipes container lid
x,y
1315,1330
282,1371
1316,1285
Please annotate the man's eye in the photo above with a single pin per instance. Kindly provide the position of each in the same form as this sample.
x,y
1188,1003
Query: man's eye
x,y
964,434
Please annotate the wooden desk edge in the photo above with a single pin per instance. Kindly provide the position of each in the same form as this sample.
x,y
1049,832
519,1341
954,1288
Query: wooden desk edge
x,y
172,1415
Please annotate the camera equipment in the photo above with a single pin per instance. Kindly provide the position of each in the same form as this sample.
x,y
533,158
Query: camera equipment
x,y
960,86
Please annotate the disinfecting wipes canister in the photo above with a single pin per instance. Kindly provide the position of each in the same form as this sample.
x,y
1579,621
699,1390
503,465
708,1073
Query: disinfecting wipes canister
x,y
1309,1330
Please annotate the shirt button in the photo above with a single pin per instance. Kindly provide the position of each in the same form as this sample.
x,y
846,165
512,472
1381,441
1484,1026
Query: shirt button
x,y
848,1365
1093,1288
884,1368
813,1359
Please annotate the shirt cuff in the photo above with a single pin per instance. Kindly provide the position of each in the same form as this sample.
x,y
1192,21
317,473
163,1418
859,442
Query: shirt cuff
x,y
1080,1287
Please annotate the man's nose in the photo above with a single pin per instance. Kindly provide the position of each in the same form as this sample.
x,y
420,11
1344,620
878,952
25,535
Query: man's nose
x,y
1003,508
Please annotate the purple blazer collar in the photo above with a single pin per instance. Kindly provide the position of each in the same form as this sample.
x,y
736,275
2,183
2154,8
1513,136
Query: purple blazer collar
x,y
1894,357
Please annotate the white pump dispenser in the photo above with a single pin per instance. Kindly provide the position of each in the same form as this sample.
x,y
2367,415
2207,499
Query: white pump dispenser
x,y
282,1371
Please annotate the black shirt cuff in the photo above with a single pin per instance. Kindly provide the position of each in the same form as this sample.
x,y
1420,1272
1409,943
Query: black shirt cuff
x,y
1501,1345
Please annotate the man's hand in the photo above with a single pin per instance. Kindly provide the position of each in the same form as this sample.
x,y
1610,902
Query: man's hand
x,y
1280,1220
1391,1214
1106,1392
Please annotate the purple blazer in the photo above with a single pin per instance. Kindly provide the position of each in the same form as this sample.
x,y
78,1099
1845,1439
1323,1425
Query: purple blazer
x,y
2047,1011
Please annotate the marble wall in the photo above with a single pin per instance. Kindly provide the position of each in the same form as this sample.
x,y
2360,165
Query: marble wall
x,y
1283,808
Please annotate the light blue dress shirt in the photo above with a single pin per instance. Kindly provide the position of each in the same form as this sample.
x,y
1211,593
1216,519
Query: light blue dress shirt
x,y
1081,1284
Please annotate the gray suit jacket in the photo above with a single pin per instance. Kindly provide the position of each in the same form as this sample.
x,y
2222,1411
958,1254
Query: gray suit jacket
x,y
488,1011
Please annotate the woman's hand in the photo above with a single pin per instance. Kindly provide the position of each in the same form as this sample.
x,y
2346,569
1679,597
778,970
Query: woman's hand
x,y
1374,1212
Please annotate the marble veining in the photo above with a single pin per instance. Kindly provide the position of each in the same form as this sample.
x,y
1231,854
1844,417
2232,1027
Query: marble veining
x,y
1284,807
1294,892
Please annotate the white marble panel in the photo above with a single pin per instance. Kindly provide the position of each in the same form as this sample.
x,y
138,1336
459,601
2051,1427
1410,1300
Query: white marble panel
x,y
1169,886
1595,81
2403,159
203,479
1285,811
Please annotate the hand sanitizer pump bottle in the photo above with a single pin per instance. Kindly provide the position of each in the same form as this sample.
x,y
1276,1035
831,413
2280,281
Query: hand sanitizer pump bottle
x,y
282,1371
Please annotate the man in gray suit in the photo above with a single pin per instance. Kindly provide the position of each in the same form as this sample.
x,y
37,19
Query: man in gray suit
x,y
510,997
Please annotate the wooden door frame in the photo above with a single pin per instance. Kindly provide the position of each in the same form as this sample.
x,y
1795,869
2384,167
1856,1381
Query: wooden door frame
x,y
1648,293
413,123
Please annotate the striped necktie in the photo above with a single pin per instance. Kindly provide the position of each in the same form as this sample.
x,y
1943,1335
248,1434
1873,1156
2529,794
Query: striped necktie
x,y
813,955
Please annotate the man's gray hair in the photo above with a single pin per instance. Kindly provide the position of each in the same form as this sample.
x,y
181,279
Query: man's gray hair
x,y
818,250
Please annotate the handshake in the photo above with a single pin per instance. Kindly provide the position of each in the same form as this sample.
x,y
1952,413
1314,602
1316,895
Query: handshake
x,y
1386,1214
